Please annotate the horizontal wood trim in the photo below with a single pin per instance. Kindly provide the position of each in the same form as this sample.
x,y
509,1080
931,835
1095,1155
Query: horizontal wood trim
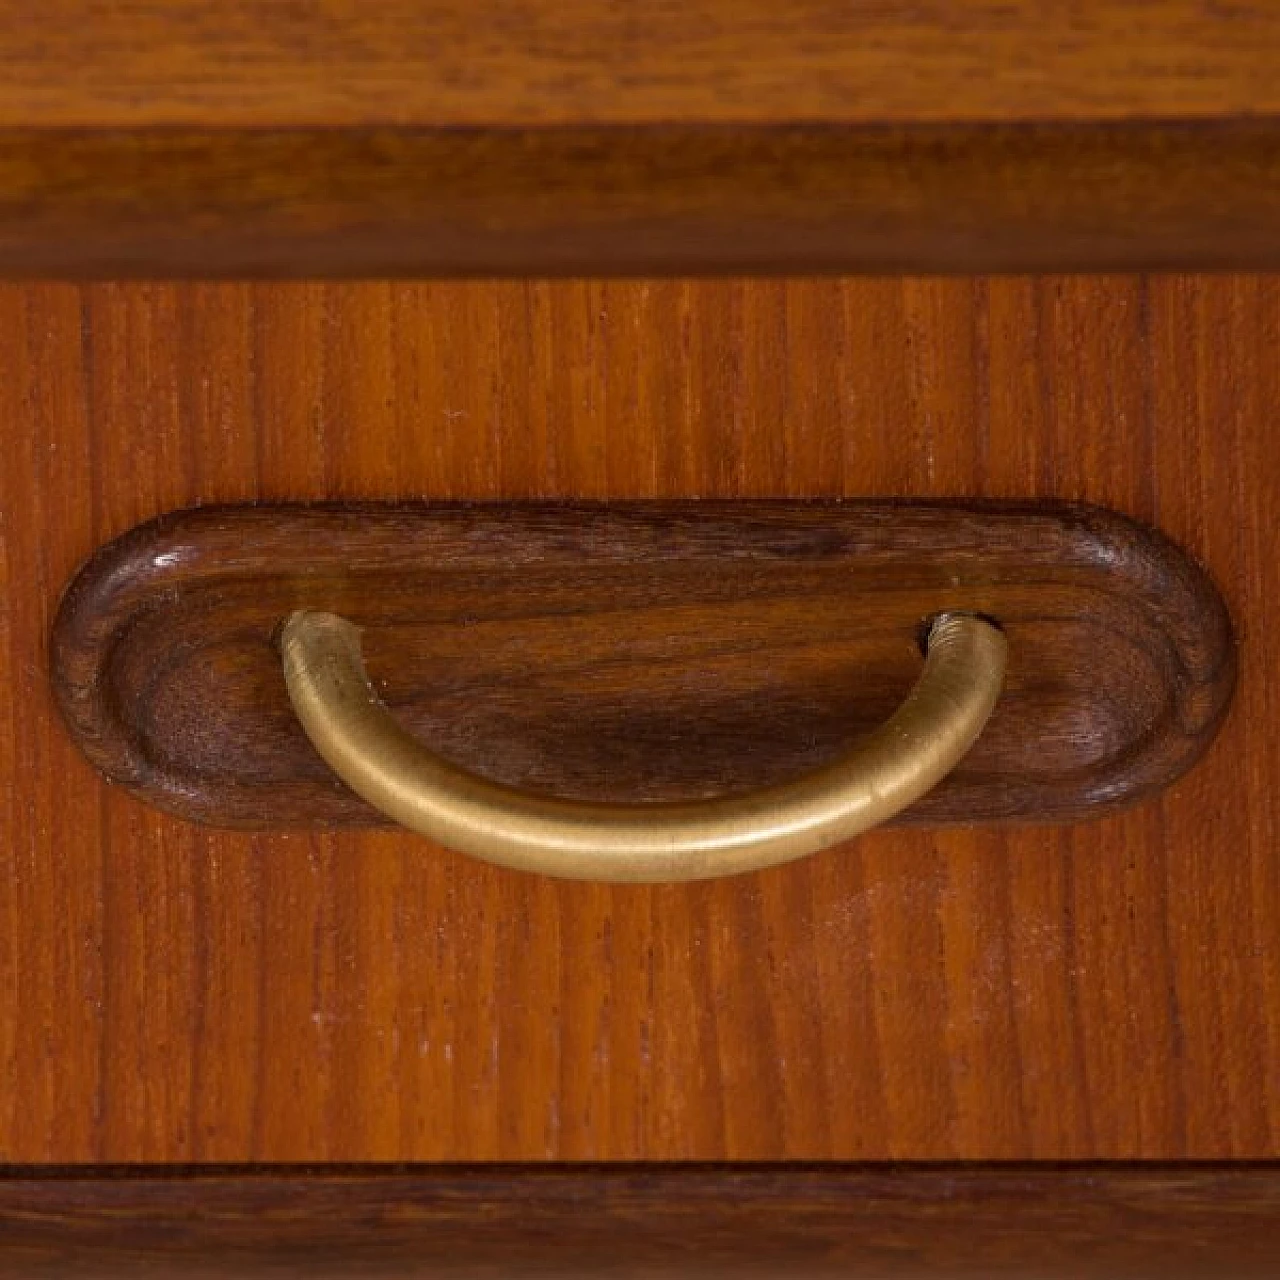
x,y
517,62
653,200
695,1221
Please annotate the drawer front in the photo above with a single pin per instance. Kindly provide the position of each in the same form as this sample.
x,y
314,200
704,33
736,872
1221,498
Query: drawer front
x,y
173,993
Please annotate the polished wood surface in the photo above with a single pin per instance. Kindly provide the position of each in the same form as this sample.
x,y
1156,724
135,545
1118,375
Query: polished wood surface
x,y
641,652
168,993
1052,1222
521,62
489,137
660,199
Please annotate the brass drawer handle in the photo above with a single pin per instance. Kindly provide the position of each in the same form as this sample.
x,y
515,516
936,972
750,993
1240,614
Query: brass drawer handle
x,y
911,752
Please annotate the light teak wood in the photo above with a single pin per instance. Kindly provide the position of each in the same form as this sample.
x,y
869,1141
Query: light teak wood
x,y
172,993
518,62
643,651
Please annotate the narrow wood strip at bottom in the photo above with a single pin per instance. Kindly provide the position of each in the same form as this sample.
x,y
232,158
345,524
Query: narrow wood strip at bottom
x,y
695,1221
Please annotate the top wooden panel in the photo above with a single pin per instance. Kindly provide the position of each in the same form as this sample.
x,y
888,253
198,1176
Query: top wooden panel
x,y
583,62
592,137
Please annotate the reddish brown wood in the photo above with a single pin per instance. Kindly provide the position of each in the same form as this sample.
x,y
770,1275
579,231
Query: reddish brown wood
x,y
486,62
669,197
503,136
175,993
934,1222
651,651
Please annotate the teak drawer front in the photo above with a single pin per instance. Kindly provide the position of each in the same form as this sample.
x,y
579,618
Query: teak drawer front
x,y
174,994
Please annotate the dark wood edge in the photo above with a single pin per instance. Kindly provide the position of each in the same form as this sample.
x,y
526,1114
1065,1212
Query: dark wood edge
x,y
676,199
644,1220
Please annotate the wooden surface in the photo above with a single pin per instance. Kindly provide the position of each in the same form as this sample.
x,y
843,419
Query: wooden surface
x,y
1052,1222
168,993
510,136
521,62
662,199
643,651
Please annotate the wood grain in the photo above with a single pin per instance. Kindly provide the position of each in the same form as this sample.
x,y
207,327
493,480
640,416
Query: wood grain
x,y
520,62
174,994
642,651
708,136
924,1221
664,198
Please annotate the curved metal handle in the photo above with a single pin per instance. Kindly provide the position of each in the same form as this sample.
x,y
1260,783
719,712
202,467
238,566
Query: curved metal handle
x,y
912,751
